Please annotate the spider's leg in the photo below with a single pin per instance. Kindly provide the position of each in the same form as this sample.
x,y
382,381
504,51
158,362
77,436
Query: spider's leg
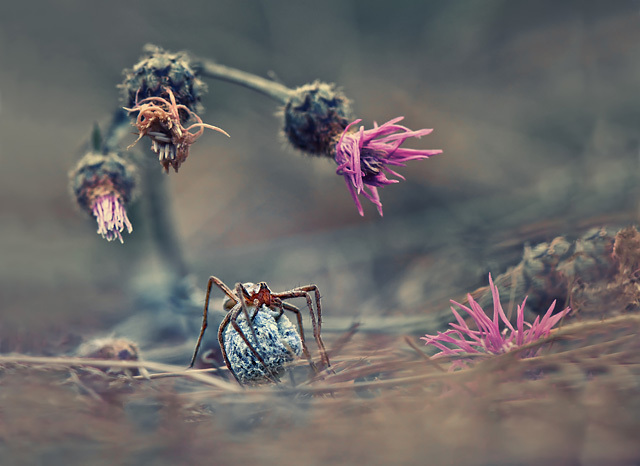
x,y
241,291
316,292
223,326
302,293
294,309
233,318
305,350
225,289
205,314
212,281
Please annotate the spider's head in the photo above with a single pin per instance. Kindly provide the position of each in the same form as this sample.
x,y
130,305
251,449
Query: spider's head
x,y
258,294
253,292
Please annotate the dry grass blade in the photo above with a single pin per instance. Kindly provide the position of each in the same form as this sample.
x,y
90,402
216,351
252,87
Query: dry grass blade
x,y
150,366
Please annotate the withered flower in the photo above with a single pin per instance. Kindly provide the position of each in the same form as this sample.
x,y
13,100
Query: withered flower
x,y
162,92
161,121
103,185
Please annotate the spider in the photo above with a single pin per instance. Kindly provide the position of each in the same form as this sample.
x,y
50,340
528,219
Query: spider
x,y
262,299
160,119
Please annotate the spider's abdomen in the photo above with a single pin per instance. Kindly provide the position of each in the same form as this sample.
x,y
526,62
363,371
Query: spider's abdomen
x,y
277,343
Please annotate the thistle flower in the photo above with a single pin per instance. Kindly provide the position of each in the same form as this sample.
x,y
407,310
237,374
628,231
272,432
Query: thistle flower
x,y
103,185
488,338
162,92
316,121
364,156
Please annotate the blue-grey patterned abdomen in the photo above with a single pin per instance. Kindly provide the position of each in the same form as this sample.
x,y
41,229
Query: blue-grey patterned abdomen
x,y
278,343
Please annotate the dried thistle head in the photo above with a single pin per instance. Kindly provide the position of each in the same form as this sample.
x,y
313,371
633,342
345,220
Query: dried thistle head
x,y
162,121
618,290
364,157
314,116
117,349
159,70
103,185
162,93
626,251
557,270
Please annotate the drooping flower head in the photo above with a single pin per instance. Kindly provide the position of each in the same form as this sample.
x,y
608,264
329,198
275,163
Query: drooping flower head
x,y
158,70
488,337
162,93
103,185
364,157
316,121
111,216
160,119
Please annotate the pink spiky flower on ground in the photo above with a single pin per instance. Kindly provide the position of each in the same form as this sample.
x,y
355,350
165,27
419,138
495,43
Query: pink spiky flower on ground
x,y
364,157
488,338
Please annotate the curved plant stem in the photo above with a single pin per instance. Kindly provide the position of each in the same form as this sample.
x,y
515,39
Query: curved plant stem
x,y
158,215
276,91
119,128
160,219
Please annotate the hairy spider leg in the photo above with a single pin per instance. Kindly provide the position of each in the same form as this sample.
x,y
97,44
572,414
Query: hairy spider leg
x,y
305,350
223,326
303,292
232,318
212,281
316,293
241,292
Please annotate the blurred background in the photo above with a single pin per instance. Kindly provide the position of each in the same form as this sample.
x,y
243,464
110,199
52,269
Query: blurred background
x,y
535,105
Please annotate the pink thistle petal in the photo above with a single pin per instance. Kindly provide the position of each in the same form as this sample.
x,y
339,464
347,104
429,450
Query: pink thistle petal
x,y
363,157
354,195
111,217
489,338
520,323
